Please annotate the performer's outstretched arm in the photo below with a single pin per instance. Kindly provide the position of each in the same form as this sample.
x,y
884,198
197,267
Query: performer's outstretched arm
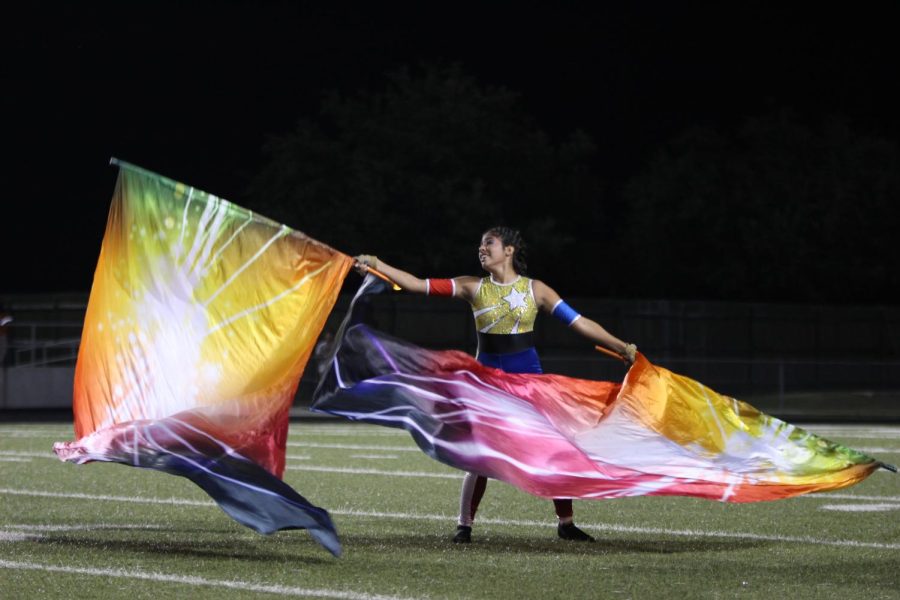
x,y
548,300
405,280
462,287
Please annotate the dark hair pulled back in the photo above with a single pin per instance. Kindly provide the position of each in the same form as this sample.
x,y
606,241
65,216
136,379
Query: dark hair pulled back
x,y
512,237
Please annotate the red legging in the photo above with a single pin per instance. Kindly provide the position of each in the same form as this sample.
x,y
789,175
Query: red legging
x,y
473,489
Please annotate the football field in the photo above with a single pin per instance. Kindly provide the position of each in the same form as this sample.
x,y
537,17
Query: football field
x,y
111,531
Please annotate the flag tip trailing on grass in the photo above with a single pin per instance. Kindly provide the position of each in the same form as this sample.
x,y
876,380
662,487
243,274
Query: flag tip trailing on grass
x,y
201,319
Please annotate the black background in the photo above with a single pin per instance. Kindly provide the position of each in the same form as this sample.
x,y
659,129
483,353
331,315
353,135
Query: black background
x,y
192,89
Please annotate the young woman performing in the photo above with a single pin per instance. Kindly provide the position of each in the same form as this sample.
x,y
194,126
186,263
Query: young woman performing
x,y
505,304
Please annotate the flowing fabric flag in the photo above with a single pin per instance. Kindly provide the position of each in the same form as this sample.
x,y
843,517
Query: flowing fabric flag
x,y
201,319
657,433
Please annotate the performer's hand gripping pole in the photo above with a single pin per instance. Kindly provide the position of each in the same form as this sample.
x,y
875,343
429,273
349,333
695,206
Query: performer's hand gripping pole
x,y
610,353
380,275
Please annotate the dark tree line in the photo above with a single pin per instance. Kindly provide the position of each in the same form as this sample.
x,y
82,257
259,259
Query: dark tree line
x,y
415,172
778,209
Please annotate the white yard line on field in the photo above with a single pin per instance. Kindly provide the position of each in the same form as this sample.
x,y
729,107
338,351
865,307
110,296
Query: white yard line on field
x,y
858,435
134,499
410,448
871,450
354,471
351,512
244,586
837,496
362,432
22,454
860,507
27,435
21,533
375,456
80,527
33,434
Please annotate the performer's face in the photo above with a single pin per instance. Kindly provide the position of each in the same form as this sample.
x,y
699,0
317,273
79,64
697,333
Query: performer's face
x,y
492,252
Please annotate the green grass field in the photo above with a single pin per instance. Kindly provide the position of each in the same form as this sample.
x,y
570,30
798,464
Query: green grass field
x,y
110,531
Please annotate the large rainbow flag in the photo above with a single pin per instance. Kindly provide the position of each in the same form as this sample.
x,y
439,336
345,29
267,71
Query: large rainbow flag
x,y
656,433
201,319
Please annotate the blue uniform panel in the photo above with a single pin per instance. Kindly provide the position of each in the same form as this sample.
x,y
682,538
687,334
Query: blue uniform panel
x,y
526,361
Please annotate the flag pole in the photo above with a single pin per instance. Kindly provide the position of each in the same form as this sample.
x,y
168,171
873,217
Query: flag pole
x,y
380,275
608,352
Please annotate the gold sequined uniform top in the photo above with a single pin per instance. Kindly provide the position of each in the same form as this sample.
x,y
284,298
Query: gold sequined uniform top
x,y
504,309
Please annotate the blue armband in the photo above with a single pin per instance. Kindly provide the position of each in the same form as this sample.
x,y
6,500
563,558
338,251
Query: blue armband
x,y
564,312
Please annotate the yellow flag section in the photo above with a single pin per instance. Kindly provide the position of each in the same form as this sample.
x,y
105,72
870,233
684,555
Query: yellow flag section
x,y
715,446
201,305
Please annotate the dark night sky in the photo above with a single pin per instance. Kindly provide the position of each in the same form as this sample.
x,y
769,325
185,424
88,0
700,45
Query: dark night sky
x,y
191,89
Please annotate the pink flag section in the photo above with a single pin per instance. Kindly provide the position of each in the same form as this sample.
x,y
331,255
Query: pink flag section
x,y
656,433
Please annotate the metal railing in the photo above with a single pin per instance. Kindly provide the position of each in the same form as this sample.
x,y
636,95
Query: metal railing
x,y
689,340
38,343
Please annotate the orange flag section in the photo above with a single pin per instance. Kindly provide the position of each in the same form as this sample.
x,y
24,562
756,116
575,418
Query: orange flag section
x,y
201,305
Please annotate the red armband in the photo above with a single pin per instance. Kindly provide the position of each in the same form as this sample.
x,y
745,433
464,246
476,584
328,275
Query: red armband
x,y
440,287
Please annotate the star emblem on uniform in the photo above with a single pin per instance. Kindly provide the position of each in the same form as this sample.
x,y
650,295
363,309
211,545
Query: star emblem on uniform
x,y
515,299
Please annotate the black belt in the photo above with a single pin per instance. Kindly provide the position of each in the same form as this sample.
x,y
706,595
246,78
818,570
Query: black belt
x,y
505,343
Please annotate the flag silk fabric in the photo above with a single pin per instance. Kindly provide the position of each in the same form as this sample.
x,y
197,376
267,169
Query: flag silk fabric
x,y
201,319
657,433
